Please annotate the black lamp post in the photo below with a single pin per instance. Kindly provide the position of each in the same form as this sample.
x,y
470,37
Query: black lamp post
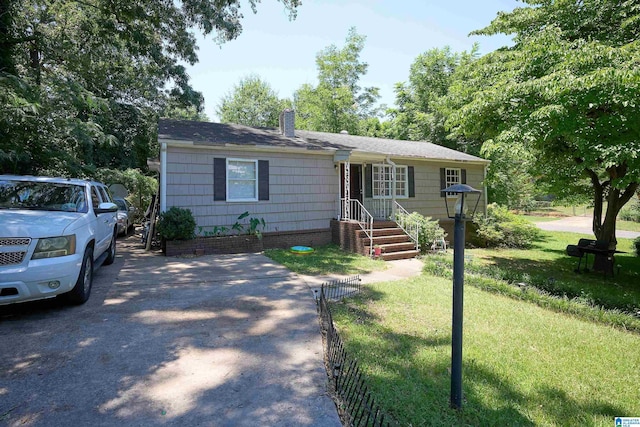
x,y
460,216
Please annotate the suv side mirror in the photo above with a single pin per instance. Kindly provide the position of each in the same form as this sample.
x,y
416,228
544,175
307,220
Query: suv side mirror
x,y
106,208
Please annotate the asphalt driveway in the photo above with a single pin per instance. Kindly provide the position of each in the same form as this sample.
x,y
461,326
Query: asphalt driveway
x,y
579,224
207,341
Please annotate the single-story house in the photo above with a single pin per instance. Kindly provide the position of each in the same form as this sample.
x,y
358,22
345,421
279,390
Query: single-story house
x,y
309,187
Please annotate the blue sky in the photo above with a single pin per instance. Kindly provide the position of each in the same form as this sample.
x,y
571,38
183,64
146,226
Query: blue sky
x,y
282,52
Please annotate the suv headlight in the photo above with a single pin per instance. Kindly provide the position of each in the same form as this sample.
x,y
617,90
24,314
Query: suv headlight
x,y
52,247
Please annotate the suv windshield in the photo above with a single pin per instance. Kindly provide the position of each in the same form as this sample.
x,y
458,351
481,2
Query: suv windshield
x,y
38,195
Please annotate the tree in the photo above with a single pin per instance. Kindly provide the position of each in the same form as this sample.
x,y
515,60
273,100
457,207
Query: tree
x,y
509,180
73,73
568,91
337,103
252,102
420,114
141,187
182,113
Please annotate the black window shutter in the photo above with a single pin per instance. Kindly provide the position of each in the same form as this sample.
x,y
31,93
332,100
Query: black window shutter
x,y
463,176
368,181
412,184
443,182
219,178
263,180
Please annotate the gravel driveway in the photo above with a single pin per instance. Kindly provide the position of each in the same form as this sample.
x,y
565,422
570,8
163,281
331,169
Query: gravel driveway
x,y
207,341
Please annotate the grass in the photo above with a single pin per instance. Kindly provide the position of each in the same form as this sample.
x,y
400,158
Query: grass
x,y
547,267
549,280
325,260
532,218
562,211
628,225
522,364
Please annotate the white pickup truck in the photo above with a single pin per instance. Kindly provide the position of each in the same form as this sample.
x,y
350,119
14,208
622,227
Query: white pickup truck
x,y
53,232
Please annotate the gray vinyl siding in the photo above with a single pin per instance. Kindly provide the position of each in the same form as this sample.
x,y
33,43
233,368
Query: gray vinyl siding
x,y
427,186
302,189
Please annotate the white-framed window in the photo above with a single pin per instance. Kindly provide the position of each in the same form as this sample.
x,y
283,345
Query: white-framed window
x,y
402,179
242,180
452,177
383,181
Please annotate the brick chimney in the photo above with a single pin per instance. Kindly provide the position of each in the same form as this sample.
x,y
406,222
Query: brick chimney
x,y
288,123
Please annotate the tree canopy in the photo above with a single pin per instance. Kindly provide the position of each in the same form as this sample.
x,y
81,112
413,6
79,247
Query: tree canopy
x,y
420,114
338,102
252,102
82,83
568,92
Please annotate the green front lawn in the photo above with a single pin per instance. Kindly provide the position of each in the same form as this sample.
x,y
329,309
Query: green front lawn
x,y
522,364
547,267
556,361
545,276
325,260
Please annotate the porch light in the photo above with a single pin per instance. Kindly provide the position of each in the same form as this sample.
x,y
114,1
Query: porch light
x,y
461,207
460,216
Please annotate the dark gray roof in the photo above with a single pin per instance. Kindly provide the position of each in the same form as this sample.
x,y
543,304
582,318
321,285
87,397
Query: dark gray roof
x,y
204,133
390,147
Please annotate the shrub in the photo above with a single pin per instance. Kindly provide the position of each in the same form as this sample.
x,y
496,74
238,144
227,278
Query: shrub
x,y
251,226
141,187
501,228
636,246
631,212
176,224
428,230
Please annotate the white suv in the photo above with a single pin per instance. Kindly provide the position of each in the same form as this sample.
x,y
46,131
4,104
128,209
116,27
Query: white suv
x,y
53,231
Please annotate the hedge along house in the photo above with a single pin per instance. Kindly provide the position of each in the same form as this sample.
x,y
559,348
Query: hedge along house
x,y
310,188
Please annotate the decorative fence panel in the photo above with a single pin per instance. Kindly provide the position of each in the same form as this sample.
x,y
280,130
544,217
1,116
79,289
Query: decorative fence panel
x,y
337,289
347,380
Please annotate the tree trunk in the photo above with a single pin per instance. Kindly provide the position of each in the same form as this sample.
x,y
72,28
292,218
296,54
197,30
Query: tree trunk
x,y
6,32
605,230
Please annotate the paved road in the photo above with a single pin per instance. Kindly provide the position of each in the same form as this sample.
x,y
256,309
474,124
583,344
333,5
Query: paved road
x,y
208,341
579,224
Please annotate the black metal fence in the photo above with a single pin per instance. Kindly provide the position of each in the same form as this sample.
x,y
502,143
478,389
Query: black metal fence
x,y
335,290
357,403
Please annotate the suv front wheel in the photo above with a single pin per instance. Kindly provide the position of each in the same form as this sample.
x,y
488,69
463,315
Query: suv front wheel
x,y
81,291
111,251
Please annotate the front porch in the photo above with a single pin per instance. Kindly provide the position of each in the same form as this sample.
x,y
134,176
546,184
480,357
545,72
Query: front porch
x,y
393,242
377,184
369,214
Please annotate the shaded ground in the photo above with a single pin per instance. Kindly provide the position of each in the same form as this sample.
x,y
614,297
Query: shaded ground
x,y
214,340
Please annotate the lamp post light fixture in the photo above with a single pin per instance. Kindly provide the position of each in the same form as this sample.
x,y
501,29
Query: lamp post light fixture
x,y
460,216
